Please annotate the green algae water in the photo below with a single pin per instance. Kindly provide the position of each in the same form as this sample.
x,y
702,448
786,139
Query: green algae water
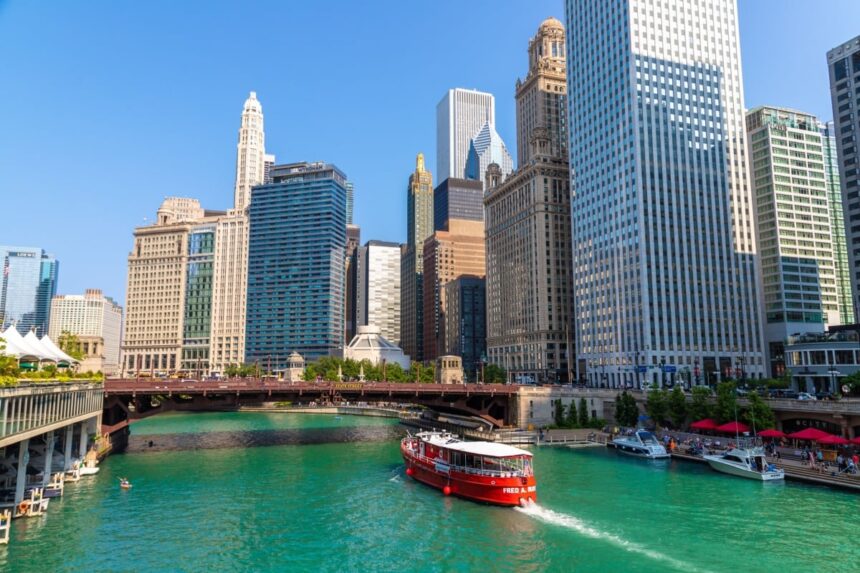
x,y
343,503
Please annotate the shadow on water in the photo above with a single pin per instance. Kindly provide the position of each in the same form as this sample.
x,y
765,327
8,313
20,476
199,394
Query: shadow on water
x,y
259,438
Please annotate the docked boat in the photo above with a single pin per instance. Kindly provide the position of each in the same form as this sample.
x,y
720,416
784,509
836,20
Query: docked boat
x,y
747,462
89,468
641,443
480,471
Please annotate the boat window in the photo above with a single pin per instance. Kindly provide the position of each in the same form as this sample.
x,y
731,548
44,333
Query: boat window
x,y
647,438
733,458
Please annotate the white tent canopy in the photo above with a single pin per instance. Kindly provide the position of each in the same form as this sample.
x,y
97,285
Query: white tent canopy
x,y
31,347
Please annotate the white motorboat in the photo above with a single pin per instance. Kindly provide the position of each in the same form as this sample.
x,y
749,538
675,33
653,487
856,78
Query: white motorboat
x,y
641,443
747,462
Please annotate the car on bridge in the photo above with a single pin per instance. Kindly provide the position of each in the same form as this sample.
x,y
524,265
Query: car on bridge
x,y
805,396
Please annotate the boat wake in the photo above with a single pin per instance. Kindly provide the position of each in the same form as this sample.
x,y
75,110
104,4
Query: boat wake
x,y
576,524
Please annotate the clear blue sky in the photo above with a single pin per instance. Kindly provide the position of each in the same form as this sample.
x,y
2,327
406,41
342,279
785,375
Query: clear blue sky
x,y
107,107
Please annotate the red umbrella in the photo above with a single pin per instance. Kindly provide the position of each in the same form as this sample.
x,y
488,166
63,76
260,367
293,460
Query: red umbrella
x,y
855,440
808,434
833,440
706,424
733,428
771,433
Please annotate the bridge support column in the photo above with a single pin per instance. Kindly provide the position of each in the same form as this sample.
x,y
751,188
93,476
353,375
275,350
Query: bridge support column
x,y
23,460
49,455
67,459
82,449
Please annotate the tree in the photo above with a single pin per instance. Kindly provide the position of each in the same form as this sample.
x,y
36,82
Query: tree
x,y
559,413
852,381
71,345
657,405
677,407
758,413
583,413
494,374
572,416
8,364
727,402
626,410
700,406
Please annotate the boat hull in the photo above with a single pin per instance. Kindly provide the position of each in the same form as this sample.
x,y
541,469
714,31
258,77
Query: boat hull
x,y
721,466
504,491
640,451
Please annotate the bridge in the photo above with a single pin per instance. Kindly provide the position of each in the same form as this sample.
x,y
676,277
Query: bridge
x,y
127,400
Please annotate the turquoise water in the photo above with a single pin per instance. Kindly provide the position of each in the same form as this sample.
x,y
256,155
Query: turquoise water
x,y
347,506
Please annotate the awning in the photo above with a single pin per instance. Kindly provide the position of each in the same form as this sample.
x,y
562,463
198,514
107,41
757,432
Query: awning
x,y
833,440
809,434
706,424
733,428
771,433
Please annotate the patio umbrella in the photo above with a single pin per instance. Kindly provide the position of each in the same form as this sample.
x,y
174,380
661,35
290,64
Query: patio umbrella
x,y
706,424
809,434
833,440
733,428
771,433
856,440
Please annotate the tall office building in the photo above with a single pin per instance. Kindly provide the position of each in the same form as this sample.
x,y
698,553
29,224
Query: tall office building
x,y
96,320
794,227
459,117
663,230
843,63
457,199
378,300
230,265
837,223
168,288
27,285
296,246
448,254
350,199
485,148
466,323
419,208
353,242
529,281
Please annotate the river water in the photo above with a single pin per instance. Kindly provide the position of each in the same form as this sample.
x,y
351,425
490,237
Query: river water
x,y
343,503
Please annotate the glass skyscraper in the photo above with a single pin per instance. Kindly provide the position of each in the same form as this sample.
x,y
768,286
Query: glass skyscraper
x,y
29,282
662,211
198,299
457,199
297,242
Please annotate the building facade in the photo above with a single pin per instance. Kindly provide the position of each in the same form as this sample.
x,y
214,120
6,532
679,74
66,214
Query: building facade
x,y
457,199
466,323
27,285
794,227
353,242
251,164
843,63
459,250
529,261
97,322
297,241
485,148
459,117
378,301
664,256
419,213
837,223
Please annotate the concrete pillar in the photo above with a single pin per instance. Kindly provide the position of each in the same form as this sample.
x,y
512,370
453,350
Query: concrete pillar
x,y
83,441
67,461
21,480
5,417
49,455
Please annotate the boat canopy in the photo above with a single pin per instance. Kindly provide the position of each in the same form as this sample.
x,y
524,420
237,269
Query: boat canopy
x,y
490,449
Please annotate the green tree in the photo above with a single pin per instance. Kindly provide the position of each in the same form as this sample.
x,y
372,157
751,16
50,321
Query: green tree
x,y
583,413
494,374
572,420
758,413
700,406
657,405
71,345
852,381
626,410
727,402
559,413
8,364
677,407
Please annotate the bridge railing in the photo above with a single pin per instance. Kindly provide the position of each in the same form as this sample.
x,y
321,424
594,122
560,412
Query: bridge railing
x,y
29,408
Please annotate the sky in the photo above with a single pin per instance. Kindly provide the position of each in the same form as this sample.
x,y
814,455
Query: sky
x,y
108,107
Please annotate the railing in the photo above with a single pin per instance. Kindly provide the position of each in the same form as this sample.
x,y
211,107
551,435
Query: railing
x,y
27,408
472,471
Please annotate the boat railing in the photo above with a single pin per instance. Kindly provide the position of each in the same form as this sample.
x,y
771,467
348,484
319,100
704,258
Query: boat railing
x,y
473,471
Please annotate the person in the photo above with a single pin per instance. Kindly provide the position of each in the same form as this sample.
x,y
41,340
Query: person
x,y
856,459
840,462
819,455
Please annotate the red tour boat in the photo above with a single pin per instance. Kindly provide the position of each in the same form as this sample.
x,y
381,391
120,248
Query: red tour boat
x,y
480,471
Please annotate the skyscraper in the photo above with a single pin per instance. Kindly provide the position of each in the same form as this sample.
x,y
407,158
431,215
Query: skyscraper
x,y
97,322
230,268
27,285
296,246
459,117
837,223
350,199
663,229
529,280
794,227
843,63
353,242
457,199
379,288
466,322
487,147
419,207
